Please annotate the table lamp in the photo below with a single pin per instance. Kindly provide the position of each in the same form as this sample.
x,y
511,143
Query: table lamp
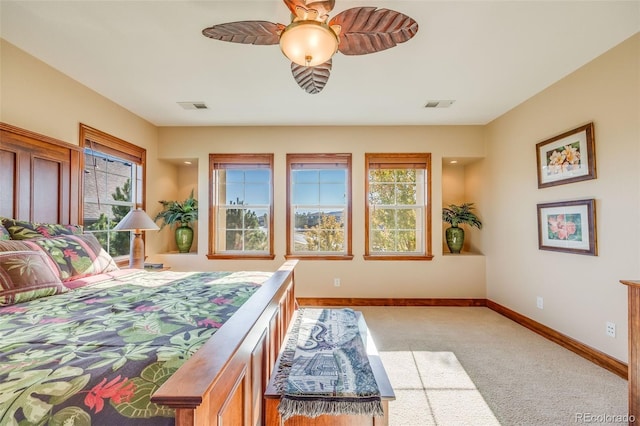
x,y
137,221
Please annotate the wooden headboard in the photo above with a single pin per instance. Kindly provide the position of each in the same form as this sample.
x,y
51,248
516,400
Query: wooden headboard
x,y
40,177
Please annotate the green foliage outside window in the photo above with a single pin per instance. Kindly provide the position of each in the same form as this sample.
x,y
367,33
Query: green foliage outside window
x,y
326,236
244,231
117,243
395,211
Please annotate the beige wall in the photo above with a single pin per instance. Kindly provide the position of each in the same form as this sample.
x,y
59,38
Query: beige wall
x,y
39,98
580,293
444,276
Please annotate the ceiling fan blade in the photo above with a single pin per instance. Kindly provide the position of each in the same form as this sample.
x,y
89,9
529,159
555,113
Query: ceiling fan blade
x,y
312,79
246,32
323,7
368,30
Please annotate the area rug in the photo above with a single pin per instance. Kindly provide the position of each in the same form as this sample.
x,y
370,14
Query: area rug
x,y
432,388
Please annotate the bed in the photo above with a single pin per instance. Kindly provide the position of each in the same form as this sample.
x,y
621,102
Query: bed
x,y
222,382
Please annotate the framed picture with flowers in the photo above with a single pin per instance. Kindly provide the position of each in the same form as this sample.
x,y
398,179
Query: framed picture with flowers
x,y
568,226
569,157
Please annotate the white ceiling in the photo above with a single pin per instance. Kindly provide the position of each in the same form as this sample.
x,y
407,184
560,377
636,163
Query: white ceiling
x,y
146,56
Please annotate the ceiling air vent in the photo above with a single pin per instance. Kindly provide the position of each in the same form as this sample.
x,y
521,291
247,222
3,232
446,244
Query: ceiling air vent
x,y
438,104
193,105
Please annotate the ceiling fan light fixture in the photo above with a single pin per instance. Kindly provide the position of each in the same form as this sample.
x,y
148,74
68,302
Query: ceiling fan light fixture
x,y
308,43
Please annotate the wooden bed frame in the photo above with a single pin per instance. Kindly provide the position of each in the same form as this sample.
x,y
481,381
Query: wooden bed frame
x,y
224,382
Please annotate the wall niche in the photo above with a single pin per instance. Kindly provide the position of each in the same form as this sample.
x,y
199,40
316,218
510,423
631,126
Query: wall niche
x,y
462,179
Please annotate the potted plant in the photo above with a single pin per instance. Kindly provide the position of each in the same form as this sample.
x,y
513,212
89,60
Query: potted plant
x,y
456,215
183,214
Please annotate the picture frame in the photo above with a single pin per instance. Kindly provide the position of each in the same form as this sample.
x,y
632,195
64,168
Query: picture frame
x,y
566,158
568,226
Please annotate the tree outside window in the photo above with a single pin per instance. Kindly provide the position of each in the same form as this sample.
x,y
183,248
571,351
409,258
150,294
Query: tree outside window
x,y
397,208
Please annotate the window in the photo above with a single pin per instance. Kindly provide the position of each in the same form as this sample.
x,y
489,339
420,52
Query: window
x,y
242,206
113,184
398,210
319,206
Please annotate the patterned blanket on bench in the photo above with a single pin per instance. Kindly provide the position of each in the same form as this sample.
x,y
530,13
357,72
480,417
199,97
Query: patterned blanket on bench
x,y
325,368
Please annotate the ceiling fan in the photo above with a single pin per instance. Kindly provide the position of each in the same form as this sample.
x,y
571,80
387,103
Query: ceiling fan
x,y
311,39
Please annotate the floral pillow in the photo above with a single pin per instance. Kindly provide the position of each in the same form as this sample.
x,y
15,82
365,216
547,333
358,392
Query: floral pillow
x,y
23,230
76,256
4,234
26,275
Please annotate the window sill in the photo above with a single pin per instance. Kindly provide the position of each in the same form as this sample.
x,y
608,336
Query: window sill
x,y
398,257
318,257
241,257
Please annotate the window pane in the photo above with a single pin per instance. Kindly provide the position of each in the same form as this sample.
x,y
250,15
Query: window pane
x,y
382,194
257,175
108,196
233,241
383,219
257,193
256,240
382,240
234,217
332,194
320,230
405,175
243,206
231,193
397,203
319,204
233,175
332,176
406,241
406,218
406,194
381,175
117,176
262,216
306,194
305,176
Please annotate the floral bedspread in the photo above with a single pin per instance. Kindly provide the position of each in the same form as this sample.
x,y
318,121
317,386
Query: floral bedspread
x,y
95,355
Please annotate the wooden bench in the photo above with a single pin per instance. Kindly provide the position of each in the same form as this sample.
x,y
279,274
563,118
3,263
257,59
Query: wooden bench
x,y
272,397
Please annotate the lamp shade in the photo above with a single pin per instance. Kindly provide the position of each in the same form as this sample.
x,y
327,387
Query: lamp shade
x,y
308,43
135,220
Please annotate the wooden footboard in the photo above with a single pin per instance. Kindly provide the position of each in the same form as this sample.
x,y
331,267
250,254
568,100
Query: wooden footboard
x,y
223,383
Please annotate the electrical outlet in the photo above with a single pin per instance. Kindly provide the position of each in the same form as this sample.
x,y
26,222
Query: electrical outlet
x,y
336,282
539,302
611,329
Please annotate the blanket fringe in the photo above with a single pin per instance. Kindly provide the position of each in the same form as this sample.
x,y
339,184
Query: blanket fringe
x,y
295,407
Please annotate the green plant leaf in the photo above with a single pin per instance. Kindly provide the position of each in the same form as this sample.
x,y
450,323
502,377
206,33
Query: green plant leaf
x,y
174,212
461,215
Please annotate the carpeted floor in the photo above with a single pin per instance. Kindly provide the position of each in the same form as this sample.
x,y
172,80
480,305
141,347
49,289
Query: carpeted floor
x,y
471,366
432,388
